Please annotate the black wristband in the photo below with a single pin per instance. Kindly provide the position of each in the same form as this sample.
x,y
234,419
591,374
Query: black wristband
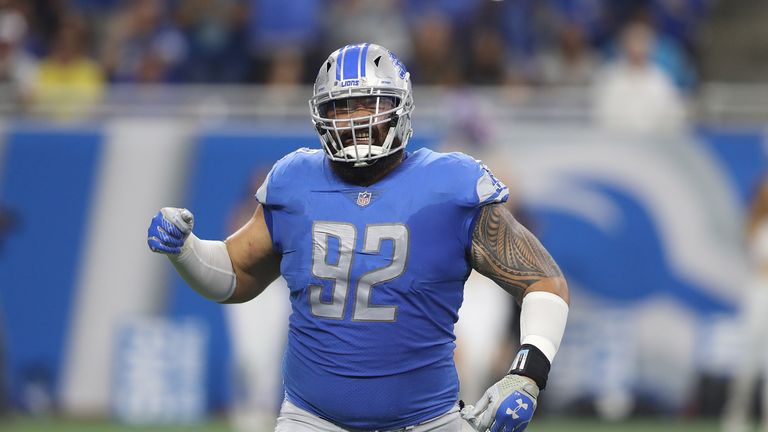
x,y
532,363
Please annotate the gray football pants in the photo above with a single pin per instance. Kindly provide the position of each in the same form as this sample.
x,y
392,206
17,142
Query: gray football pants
x,y
295,419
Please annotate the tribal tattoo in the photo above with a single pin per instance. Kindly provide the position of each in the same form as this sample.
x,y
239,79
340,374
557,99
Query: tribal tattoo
x,y
506,252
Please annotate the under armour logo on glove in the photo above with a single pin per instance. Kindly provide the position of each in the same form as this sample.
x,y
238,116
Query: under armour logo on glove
x,y
520,404
507,406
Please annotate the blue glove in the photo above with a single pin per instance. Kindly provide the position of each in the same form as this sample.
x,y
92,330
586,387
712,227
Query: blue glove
x,y
507,406
169,229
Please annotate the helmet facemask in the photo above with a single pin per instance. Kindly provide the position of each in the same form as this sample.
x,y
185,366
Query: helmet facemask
x,y
359,129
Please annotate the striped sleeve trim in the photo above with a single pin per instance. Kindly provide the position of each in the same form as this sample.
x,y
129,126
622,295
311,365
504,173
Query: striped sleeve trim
x,y
261,193
489,189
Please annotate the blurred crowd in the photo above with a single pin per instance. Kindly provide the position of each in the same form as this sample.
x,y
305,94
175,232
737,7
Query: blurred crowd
x,y
53,50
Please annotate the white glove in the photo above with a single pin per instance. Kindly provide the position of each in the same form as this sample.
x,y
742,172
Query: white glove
x,y
505,407
169,229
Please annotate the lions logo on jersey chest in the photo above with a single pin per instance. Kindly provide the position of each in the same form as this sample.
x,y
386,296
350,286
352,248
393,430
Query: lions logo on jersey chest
x,y
363,198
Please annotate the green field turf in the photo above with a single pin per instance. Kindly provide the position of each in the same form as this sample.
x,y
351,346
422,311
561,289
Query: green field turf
x,y
545,425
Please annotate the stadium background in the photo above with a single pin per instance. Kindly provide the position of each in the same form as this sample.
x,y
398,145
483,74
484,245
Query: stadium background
x,y
638,183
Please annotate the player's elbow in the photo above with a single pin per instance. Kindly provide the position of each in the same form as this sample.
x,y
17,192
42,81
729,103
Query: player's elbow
x,y
555,284
256,267
246,289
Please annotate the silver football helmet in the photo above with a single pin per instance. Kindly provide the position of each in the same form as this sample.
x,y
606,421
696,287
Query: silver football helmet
x,y
362,103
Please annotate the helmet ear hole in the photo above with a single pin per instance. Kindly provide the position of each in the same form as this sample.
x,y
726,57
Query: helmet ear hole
x,y
393,121
377,60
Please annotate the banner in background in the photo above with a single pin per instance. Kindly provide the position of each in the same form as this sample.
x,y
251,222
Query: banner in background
x,y
649,235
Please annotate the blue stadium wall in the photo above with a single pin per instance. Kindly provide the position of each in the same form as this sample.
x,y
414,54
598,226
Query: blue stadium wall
x,y
54,265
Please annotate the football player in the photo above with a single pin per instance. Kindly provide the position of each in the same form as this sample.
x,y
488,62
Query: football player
x,y
375,244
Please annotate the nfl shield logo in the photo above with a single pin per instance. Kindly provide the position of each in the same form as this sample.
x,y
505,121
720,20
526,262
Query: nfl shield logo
x,y
363,198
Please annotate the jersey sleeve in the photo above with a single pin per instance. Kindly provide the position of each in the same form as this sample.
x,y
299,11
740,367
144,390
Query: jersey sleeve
x,y
262,192
278,191
272,192
478,184
477,187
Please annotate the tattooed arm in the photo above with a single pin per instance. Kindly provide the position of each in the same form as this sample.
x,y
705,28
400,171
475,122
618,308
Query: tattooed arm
x,y
511,256
506,252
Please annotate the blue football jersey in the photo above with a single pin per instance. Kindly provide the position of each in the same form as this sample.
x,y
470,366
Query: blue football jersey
x,y
376,277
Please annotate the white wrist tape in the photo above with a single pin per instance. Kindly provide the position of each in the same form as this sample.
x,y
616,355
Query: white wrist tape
x,y
206,267
542,322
